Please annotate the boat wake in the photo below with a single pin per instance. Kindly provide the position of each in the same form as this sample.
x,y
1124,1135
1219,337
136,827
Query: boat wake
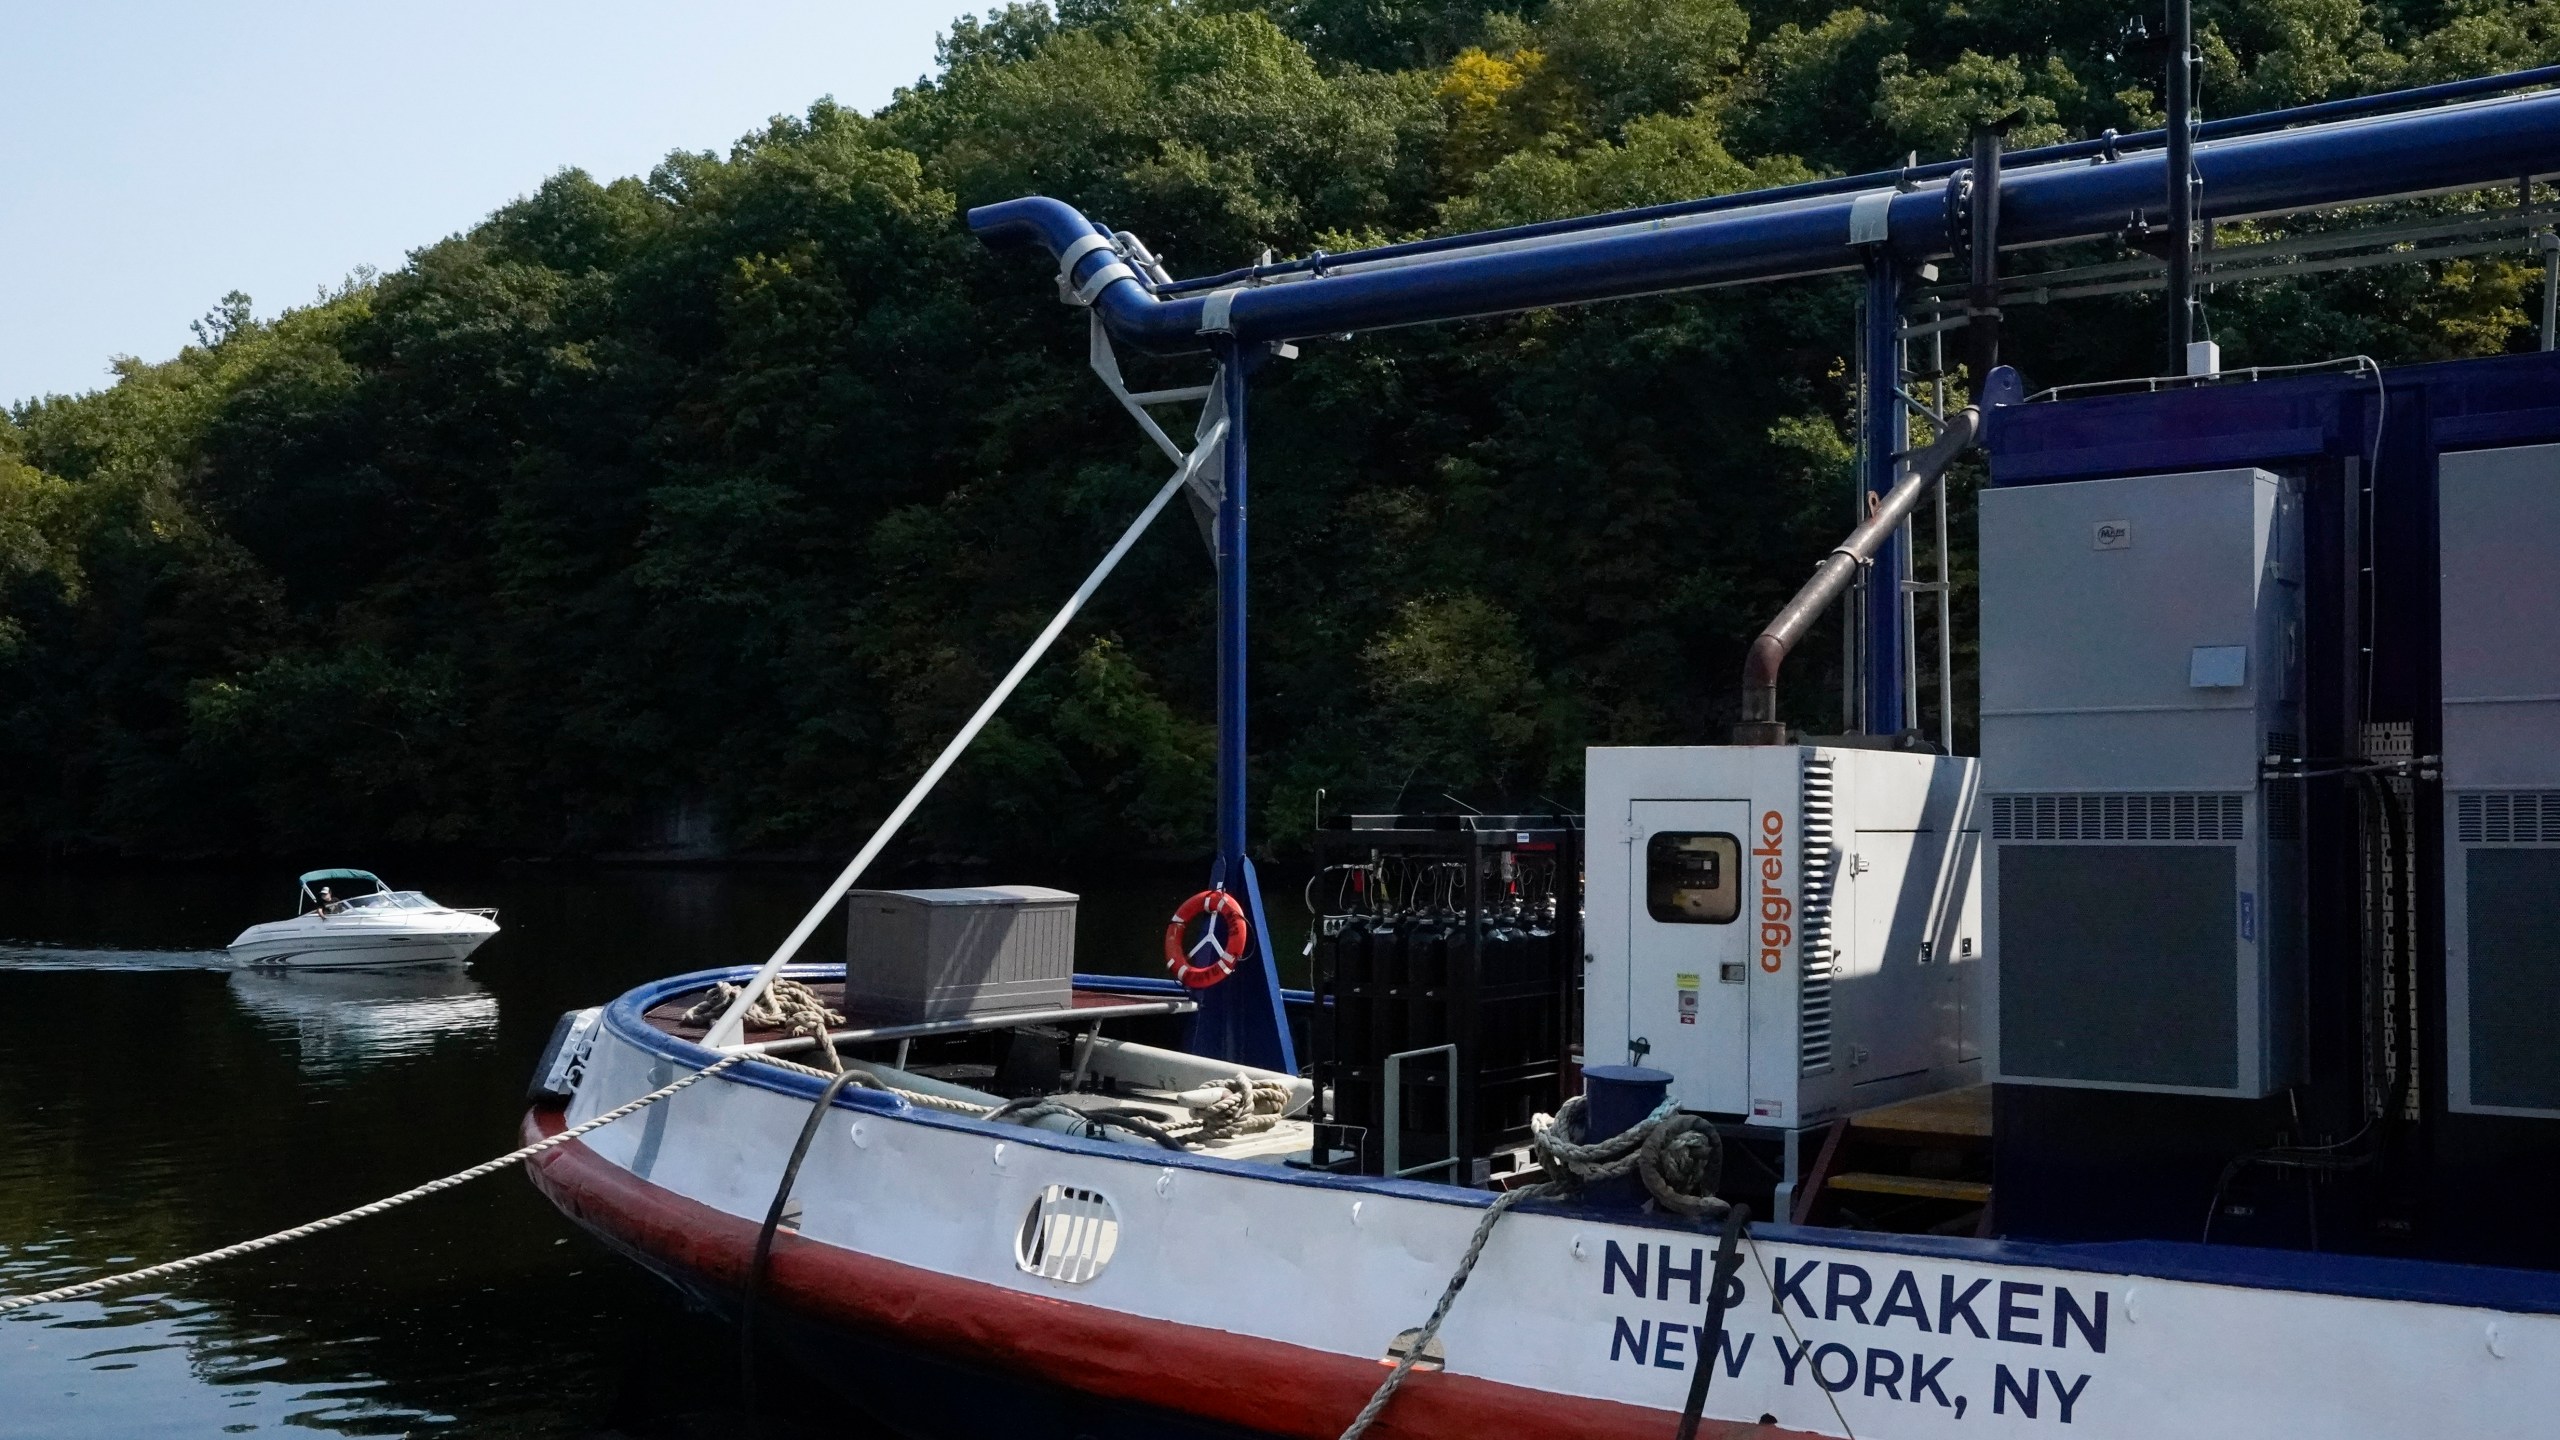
x,y
59,957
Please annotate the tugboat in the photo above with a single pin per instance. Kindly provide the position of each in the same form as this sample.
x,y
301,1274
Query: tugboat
x,y
365,928
2187,1063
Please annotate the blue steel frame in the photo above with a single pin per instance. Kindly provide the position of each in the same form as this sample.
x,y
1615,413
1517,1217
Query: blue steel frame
x,y
1888,434
1242,1017
2254,171
2105,148
2485,143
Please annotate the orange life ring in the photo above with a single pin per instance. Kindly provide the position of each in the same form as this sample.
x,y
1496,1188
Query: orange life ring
x,y
1218,905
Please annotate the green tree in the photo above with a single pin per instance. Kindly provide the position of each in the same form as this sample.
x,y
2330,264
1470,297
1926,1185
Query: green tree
x,y
737,484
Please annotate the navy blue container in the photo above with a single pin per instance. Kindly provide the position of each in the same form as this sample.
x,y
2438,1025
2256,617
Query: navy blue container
x,y
1617,1098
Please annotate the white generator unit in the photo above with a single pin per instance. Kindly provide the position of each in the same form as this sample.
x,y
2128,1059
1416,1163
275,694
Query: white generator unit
x,y
1792,932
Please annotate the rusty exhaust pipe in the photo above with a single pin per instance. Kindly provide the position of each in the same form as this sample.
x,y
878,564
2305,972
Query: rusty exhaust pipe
x,y
1768,654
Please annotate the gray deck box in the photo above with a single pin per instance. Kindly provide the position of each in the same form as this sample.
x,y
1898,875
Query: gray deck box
x,y
939,954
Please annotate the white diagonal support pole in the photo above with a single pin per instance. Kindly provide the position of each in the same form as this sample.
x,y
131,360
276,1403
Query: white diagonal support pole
x,y
730,1028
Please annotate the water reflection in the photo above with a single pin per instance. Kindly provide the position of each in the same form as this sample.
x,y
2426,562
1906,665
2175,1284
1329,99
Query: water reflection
x,y
344,1018
155,1102
162,1366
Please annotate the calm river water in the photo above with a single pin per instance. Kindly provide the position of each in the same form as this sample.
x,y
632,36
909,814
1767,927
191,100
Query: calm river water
x,y
155,1103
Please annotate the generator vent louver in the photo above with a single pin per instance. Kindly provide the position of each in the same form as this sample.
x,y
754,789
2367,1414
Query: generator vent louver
x,y
2517,817
1813,919
2140,818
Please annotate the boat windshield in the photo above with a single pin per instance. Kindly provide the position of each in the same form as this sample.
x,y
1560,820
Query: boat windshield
x,y
385,900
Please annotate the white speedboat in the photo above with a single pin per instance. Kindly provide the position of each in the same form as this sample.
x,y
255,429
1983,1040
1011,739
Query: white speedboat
x,y
379,926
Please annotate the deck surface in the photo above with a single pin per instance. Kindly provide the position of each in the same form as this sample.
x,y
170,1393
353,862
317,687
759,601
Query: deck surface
x,y
1949,1115
668,1017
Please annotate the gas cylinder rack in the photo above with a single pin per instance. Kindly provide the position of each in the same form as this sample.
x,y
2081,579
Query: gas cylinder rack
x,y
1447,963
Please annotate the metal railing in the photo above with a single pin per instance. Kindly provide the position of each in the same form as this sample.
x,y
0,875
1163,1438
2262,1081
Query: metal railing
x,y
1394,1081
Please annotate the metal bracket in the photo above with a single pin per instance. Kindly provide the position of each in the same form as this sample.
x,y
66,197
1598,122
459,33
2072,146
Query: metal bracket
x,y
1100,280
1871,217
1207,482
1215,307
1106,365
565,1065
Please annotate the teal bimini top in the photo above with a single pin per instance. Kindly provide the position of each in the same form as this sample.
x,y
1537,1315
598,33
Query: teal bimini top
x,y
344,875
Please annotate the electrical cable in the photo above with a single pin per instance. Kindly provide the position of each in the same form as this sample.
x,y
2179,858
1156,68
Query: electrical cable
x,y
2365,587
2400,959
2403,941
763,1258
1711,1335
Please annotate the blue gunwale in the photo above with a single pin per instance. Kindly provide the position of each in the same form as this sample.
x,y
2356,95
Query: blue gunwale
x,y
2430,1282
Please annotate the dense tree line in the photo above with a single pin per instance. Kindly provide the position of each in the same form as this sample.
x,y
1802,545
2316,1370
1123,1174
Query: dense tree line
x,y
731,489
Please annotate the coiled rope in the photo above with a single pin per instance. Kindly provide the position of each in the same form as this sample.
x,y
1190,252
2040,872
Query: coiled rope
x,y
787,1006
1237,1106
362,1212
1679,1158
1679,1169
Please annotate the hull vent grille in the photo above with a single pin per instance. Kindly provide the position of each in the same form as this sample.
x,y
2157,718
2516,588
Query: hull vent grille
x,y
1069,1235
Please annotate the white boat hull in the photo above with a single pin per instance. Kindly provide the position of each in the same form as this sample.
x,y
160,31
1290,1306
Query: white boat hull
x,y
341,944
1261,1299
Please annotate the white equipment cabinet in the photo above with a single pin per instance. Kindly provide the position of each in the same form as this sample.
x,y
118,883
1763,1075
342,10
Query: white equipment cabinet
x,y
1793,932
2498,520
2141,657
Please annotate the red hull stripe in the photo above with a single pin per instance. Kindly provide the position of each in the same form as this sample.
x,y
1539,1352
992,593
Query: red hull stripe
x,y
1214,1375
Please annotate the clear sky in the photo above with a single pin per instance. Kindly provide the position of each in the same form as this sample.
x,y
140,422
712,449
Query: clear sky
x,y
155,155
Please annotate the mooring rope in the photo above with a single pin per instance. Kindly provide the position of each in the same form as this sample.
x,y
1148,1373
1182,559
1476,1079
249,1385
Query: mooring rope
x,y
871,1081
1388,1387
1827,1393
1656,1149
362,1212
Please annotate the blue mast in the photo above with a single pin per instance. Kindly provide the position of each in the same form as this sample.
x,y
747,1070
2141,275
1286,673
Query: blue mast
x,y
1887,432
1240,1018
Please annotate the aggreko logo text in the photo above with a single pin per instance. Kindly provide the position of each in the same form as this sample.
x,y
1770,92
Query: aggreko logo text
x,y
1775,909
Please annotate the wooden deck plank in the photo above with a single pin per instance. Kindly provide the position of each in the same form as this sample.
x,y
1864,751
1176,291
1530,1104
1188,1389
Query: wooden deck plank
x,y
1971,1192
1953,1115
